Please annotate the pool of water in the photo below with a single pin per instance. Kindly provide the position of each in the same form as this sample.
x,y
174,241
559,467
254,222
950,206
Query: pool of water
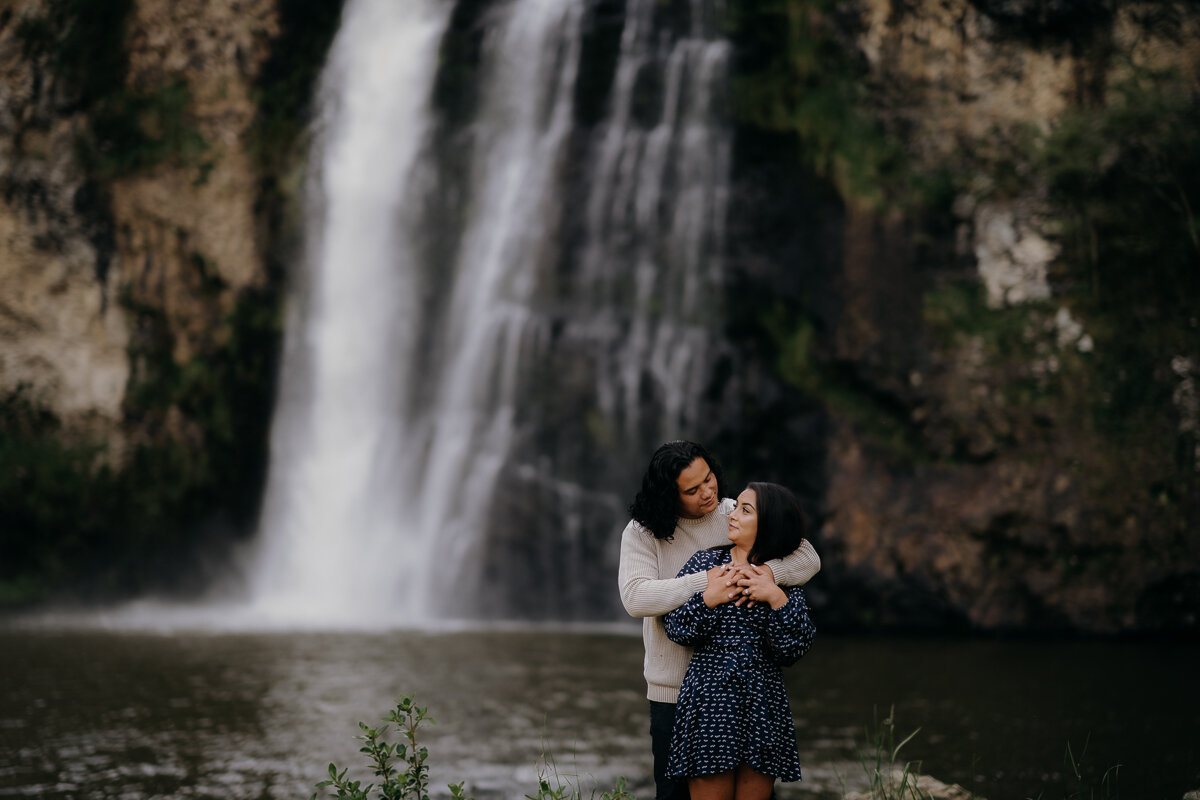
x,y
137,714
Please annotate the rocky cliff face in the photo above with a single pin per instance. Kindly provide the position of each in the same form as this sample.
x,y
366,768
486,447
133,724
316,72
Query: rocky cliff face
x,y
1014,500
65,335
188,237
93,252
138,304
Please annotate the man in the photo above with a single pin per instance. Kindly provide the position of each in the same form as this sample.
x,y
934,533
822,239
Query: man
x,y
679,510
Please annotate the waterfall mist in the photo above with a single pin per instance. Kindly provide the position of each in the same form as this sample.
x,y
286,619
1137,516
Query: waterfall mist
x,y
509,296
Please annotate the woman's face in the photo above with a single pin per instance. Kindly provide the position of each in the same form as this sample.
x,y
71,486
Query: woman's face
x,y
743,522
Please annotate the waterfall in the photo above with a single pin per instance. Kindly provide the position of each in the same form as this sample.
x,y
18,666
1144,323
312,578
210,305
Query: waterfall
x,y
331,506
658,205
636,313
488,308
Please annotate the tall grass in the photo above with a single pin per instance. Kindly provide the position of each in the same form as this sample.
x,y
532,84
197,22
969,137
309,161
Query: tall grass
x,y
887,777
1081,781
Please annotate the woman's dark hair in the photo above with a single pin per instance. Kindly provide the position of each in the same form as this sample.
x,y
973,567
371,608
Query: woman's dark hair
x,y
781,523
656,506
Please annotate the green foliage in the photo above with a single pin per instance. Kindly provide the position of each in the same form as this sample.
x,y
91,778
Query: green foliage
x,y
52,497
1125,173
954,310
287,81
890,779
225,391
79,517
839,391
74,523
552,785
135,131
411,782
1082,781
83,46
572,791
793,74
886,778
1127,176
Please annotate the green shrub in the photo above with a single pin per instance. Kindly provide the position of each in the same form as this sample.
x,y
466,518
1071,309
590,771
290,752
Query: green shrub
x,y
74,524
403,774
55,497
796,72
135,131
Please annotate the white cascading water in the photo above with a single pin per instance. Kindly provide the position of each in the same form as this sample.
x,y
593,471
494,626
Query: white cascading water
x,y
643,293
530,64
658,205
328,513
383,458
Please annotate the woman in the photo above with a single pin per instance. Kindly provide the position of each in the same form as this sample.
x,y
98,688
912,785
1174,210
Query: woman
x,y
733,733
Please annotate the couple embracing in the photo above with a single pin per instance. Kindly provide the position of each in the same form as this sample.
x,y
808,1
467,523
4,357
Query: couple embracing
x,y
716,582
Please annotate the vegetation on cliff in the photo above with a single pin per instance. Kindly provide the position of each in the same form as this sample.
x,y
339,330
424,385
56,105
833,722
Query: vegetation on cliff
x,y
127,128
1089,393
83,519
78,524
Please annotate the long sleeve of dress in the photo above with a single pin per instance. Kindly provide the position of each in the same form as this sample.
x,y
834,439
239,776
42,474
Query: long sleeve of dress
x,y
798,567
693,622
790,630
643,593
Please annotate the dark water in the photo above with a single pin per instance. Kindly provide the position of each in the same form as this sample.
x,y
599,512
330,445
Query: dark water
x,y
136,715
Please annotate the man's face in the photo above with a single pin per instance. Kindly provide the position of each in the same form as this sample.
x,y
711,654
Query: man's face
x,y
697,490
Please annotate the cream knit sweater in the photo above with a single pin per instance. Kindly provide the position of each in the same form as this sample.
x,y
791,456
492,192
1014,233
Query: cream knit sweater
x,y
650,589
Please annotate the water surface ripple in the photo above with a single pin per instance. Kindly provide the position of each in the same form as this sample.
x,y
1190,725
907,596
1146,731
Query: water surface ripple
x,y
102,714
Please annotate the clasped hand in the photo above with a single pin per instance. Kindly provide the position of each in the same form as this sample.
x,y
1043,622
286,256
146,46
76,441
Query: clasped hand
x,y
745,584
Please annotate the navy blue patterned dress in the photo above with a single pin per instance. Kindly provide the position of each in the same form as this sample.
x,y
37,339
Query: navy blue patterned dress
x,y
733,707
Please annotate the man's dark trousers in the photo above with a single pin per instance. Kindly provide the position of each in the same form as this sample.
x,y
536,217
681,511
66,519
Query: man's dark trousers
x,y
662,721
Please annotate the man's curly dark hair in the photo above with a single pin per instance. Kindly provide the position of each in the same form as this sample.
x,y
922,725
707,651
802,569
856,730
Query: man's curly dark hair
x,y
656,506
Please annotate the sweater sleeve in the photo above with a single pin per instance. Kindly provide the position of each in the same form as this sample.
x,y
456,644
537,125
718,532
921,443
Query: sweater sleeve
x,y
798,568
643,592
693,622
790,630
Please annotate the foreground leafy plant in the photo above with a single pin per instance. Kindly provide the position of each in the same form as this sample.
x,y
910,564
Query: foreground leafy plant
x,y
404,774
410,784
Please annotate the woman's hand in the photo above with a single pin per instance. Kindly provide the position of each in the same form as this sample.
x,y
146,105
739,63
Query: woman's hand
x,y
721,587
758,586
